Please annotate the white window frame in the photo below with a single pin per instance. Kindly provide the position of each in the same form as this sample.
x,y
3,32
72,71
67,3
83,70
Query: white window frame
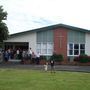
x,y
74,49
47,48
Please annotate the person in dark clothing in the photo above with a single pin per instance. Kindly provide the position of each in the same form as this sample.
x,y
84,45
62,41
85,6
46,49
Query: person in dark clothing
x,y
52,65
6,56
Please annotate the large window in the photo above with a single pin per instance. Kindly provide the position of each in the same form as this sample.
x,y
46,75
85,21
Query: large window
x,y
45,48
45,42
75,49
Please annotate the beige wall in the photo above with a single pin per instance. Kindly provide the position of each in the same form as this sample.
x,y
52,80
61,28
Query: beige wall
x,y
29,37
87,46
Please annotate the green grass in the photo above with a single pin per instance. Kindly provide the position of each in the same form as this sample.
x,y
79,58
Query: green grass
x,y
14,79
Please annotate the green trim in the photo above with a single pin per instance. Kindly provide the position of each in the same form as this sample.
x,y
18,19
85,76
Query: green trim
x,y
52,27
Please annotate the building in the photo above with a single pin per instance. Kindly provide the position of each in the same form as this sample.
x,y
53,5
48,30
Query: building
x,y
63,39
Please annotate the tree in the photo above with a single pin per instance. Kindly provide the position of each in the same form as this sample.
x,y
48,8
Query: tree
x,y
3,27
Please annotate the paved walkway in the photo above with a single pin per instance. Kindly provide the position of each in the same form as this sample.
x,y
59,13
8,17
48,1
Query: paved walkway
x,y
41,67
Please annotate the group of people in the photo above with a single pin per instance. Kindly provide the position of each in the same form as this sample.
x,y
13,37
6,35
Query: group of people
x,y
31,55
4,55
20,54
24,55
8,54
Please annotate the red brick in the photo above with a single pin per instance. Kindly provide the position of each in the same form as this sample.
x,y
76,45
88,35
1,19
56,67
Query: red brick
x,y
63,49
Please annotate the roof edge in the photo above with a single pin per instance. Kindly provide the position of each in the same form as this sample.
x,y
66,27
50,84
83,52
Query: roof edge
x,y
53,27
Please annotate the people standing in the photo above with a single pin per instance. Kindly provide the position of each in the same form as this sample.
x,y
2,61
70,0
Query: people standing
x,y
9,53
0,56
17,54
52,65
6,56
33,58
37,58
30,55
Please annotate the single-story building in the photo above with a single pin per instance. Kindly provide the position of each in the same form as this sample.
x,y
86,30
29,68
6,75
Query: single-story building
x,y
62,39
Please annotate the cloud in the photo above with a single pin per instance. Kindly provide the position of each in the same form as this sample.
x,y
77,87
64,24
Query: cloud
x,y
41,21
29,14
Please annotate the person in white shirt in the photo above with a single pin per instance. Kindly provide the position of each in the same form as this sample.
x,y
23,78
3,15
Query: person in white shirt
x,y
37,58
17,53
30,53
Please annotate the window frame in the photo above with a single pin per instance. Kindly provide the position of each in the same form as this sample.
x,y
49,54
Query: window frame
x,y
73,49
47,48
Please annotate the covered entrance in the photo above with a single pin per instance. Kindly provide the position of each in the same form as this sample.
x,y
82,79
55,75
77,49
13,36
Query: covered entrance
x,y
16,45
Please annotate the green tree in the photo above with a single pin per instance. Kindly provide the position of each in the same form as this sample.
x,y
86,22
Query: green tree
x,y
3,27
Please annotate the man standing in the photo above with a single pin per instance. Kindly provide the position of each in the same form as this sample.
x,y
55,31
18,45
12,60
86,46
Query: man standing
x,y
52,66
0,56
37,58
30,53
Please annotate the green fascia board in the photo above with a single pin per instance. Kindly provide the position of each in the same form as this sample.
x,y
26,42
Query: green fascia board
x,y
52,27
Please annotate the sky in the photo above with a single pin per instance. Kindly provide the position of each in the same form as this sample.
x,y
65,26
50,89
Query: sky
x,y
26,15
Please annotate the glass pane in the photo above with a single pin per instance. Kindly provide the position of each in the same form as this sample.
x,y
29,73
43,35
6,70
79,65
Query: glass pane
x,y
49,51
50,36
76,52
44,36
49,45
76,46
39,37
76,36
44,51
82,51
39,50
70,46
70,52
38,46
44,46
82,46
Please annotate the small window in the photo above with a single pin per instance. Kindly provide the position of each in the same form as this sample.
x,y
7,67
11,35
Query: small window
x,y
70,52
70,46
76,46
82,46
76,52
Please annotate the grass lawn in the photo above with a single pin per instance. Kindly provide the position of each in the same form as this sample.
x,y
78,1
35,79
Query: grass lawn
x,y
14,79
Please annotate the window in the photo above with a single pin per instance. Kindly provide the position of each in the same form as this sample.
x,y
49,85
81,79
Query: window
x,y
70,49
82,49
49,48
75,49
45,48
39,47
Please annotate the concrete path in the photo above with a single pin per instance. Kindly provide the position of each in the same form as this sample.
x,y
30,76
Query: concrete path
x,y
41,67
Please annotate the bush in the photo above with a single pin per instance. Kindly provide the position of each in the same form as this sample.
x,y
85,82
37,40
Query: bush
x,y
43,58
57,57
82,59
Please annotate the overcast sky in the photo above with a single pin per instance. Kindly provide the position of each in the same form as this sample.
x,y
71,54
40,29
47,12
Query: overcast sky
x,y
24,15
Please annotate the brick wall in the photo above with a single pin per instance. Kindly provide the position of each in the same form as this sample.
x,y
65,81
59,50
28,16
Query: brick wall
x,y
60,42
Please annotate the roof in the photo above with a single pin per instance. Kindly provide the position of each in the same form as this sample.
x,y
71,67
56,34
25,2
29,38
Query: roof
x,y
52,27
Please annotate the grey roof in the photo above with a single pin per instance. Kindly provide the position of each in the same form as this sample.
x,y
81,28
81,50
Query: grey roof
x,y
52,27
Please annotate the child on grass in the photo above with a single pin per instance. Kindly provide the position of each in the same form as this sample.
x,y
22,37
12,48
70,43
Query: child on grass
x,y
46,66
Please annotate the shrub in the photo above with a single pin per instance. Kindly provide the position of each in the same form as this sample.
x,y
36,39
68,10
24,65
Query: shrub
x,y
82,59
56,57
76,59
89,58
43,58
